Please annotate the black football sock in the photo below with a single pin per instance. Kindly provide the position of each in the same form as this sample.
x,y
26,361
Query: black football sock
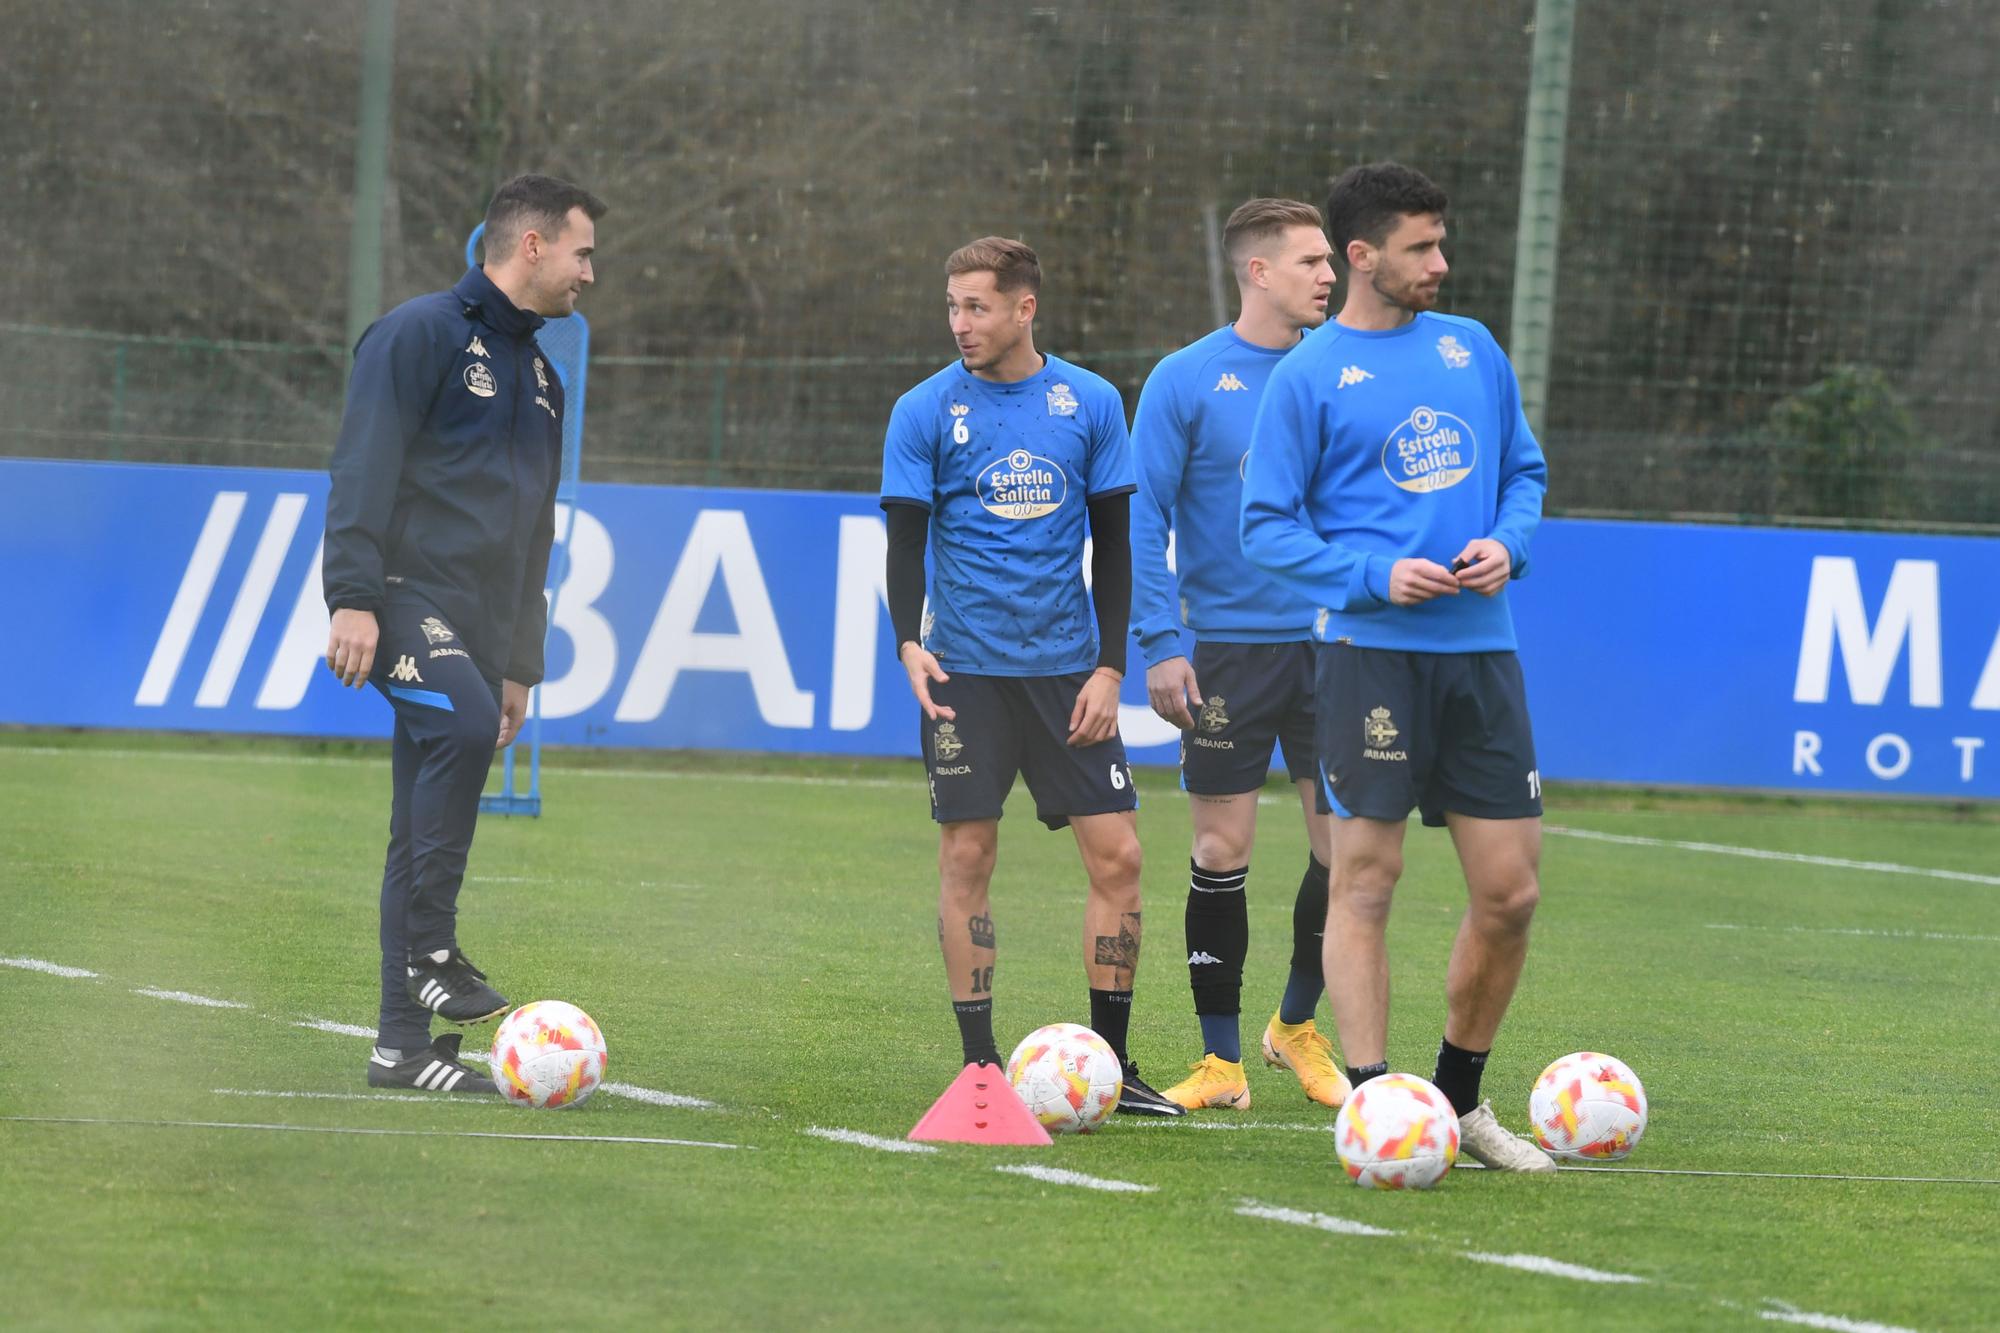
x,y
1111,1018
1307,981
1218,938
1458,1074
1359,1074
975,1030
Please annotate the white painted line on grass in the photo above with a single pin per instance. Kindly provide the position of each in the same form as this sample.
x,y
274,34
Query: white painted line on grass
x,y
53,969
1340,1226
449,1099
182,997
1791,1314
1535,1263
651,1096
1769,1175
349,1129
506,879
1760,854
1858,931
1057,1176
338,1029
860,1140
654,1097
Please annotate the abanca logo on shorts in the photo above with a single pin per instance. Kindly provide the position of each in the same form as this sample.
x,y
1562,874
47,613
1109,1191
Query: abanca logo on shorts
x,y
1022,485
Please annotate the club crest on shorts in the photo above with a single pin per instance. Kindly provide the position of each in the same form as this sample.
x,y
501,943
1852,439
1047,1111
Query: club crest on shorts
x,y
435,630
1380,728
946,742
1214,714
480,380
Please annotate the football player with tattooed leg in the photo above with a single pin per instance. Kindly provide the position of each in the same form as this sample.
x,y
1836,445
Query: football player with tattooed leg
x,y
999,465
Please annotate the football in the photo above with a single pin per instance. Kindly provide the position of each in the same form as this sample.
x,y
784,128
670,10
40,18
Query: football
x,y
1588,1106
1067,1076
1396,1132
548,1054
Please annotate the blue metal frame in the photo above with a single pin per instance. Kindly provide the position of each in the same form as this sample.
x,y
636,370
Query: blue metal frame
x,y
572,370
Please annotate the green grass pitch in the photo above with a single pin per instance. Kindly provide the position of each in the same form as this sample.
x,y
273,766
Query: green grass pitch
x,y
760,934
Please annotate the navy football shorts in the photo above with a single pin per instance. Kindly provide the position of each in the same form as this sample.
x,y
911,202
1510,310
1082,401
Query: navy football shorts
x,y
1018,724
1437,731
1254,695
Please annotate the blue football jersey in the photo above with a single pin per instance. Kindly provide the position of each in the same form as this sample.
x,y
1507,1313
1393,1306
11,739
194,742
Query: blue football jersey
x,y
1006,471
1373,446
1189,441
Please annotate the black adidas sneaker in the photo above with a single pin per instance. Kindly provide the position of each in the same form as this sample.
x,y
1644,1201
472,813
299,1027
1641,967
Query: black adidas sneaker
x,y
1139,1099
436,1069
454,989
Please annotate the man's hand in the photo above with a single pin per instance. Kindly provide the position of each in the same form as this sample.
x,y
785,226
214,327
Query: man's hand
x,y
1418,580
1487,566
513,708
1095,717
1171,688
350,645
923,669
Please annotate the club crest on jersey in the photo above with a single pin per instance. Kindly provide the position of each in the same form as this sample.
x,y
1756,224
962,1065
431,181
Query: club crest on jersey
x,y
1429,451
1062,403
1456,356
480,380
541,380
1022,485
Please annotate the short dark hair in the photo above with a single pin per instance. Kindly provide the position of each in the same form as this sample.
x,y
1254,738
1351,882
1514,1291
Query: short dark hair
x,y
1367,202
534,203
1012,264
1259,220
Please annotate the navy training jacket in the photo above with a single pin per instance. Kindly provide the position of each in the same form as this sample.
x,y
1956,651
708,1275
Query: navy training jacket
x,y
444,476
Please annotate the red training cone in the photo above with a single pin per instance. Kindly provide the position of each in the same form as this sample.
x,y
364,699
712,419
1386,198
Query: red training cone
x,y
980,1107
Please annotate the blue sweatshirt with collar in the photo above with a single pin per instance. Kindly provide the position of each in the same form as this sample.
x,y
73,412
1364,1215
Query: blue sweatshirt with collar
x,y
1373,446
445,472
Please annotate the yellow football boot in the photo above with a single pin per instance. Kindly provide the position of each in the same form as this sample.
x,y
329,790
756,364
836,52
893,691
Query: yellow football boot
x,y
1214,1082
1300,1048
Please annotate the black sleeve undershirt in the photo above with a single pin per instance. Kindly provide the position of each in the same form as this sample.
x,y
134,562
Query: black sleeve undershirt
x,y
909,534
1111,575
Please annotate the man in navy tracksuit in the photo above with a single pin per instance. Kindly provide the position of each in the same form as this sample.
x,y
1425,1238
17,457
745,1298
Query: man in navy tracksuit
x,y
438,529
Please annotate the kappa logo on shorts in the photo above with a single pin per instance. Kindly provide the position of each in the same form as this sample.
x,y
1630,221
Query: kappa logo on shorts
x,y
405,670
1379,730
480,380
1214,714
435,630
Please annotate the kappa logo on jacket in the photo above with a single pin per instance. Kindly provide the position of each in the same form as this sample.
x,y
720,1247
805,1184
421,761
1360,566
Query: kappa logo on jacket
x,y
477,348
